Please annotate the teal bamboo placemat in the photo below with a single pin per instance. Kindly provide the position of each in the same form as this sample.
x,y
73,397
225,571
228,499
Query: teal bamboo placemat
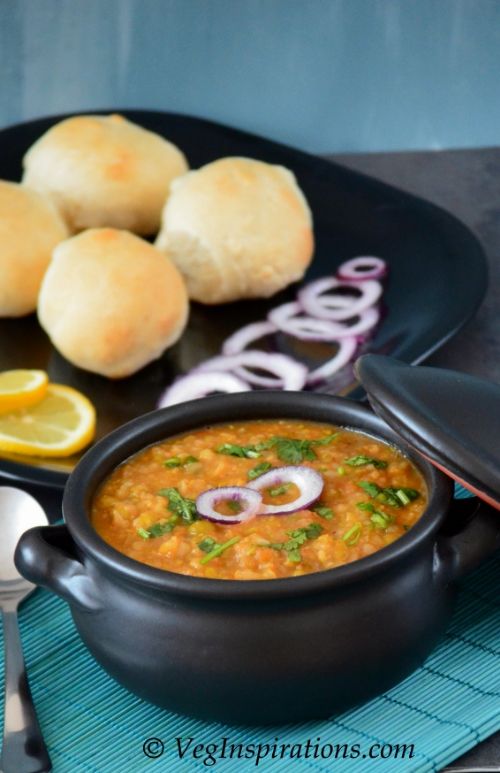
x,y
92,725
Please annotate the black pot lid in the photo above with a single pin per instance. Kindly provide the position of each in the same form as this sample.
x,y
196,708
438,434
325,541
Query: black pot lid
x,y
451,418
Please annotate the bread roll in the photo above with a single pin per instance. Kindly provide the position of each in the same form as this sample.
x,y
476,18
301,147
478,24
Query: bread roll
x,y
30,228
111,302
104,171
237,228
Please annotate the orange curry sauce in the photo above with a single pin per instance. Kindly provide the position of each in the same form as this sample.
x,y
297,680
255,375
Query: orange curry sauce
x,y
351,519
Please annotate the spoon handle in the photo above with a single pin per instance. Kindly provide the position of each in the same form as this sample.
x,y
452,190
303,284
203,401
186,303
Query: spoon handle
x,y
23,750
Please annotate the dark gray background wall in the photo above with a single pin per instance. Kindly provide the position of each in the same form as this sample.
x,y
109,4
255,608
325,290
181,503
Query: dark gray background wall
x,y
326,75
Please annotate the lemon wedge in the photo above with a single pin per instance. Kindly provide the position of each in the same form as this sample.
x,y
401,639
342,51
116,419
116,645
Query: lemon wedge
x,y
60,424
21,388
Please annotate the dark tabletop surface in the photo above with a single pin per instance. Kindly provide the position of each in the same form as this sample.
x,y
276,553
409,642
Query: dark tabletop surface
x,y
467,183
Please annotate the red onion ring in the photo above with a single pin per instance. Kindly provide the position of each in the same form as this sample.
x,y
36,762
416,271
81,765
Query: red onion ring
x,y
312,329
304,328
337,308
345,353
355,268
367,320
195,385
250,499
290,374
309,482
246,335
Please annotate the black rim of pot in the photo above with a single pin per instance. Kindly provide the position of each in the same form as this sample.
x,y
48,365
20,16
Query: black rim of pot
x,y
147,430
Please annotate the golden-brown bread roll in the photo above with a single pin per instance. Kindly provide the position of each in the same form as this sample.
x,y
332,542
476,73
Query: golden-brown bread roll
x,y
237,228
30,228
104,171
110,302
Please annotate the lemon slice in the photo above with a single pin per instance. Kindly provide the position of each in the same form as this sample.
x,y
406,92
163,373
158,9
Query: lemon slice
x,y
21,388
60,424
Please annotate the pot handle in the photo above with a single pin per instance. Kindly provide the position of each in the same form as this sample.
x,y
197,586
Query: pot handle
x,y
471,534
46,555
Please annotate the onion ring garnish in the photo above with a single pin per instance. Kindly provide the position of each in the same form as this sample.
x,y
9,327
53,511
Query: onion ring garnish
x,y
288,373
362,267
249,500
315,301
195,385
308,481
287,319
246,335
367,320
345,353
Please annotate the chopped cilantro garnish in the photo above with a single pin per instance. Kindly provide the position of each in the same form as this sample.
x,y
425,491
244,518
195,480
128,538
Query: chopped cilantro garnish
x,y
323,511
294,451
324,441
244,452
207,544
371,488
378,518
234,505
276,491
297,539
395,497
159,529
362,461
179,461
289,450
185,508
259,470
352,536
381,520
217,550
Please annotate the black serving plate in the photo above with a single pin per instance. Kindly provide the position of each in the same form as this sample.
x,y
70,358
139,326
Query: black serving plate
x,y
437,277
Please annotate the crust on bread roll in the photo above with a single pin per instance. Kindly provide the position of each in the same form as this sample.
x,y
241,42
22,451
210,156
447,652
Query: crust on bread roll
x,y
30,228
111,302
237,228
104,171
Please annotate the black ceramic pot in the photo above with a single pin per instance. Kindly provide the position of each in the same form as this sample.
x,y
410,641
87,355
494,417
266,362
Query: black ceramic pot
x,y
266,651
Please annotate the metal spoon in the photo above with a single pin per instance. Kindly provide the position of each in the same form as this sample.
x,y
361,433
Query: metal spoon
x,y
23,750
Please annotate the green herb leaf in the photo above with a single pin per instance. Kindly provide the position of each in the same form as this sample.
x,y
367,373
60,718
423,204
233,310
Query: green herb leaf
x,y
351,537
378,518
185,508
234,505
371,488
381,520
259,470
395,497
362,461
366,506
217,551
276,491
407,495
290,450
324,441
159,529
297,538
244,452
179,461
323,511
294,451
207,544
